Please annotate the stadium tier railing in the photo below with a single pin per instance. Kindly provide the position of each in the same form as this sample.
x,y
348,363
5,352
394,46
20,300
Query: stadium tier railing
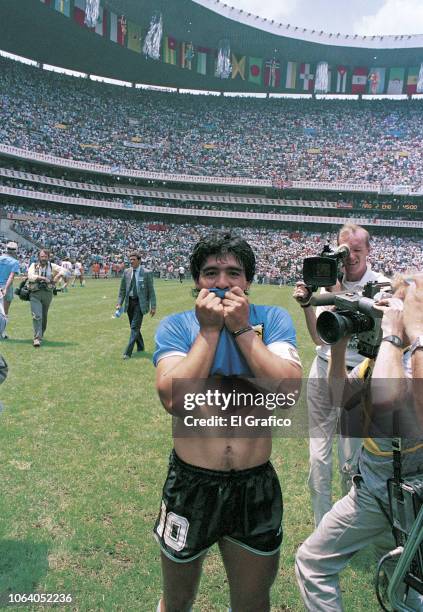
x,y
115,170
196,212
190,196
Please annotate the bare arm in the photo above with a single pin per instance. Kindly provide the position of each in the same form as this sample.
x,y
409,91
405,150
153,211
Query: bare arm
x,y
388,385
302,295
32,275
337,374
9,282
262,362
198,362
58,272
413,323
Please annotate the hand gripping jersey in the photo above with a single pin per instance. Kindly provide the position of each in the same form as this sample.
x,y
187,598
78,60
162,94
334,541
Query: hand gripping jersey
x,y
176,335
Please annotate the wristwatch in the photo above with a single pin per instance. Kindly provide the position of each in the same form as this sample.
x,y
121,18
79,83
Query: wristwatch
x,y
395,340
417,344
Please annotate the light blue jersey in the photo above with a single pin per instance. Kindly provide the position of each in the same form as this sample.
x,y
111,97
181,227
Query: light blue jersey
x,y
7,265
177,333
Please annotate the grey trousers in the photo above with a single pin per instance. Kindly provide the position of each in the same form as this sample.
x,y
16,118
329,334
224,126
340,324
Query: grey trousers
x,y
135,317
40,303
323,420
352,524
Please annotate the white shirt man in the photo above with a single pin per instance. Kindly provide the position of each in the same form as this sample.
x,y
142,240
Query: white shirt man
x,y
323,416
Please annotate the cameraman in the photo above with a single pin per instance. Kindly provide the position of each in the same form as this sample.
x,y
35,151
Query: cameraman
x,y
361,517
323,416
42,279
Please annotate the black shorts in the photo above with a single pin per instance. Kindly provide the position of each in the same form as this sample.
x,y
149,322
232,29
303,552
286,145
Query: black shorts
x,y
199,507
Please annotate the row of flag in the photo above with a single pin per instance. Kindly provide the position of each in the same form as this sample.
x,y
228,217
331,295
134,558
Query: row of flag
x,y
272,73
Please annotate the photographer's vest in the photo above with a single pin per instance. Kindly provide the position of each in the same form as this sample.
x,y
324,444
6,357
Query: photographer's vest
x,y
46,271
376,458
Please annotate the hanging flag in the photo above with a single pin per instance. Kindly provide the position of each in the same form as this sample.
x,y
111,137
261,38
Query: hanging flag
x,y
331,71
359,80
396,81
187,55
341,79
291,75
169,50
113,26
376,81
238,66
122,30
101,25
202,60
79,12
134,37
306,77
272,73
62,6
255,70
412,78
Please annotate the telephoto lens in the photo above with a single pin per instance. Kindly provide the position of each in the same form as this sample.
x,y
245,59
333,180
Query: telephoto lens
x,y
333,325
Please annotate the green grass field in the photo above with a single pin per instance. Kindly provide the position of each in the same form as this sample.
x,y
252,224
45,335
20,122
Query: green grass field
x,y
84,444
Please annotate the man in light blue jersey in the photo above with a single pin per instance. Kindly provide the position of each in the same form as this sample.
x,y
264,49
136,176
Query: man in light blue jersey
x,y
222,489
9,266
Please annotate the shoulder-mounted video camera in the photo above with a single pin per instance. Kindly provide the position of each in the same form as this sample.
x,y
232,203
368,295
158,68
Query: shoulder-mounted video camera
x,y
354,314
325,269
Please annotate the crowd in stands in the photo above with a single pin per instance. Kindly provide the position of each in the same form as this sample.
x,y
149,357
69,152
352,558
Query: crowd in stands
x,y
108,239
128,202
376,141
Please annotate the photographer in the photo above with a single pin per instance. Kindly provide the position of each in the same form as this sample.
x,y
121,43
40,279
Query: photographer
x,y
222,489
42,279
323,416
361,517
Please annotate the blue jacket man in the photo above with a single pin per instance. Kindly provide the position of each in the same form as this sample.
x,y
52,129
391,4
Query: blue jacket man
x,y
137,295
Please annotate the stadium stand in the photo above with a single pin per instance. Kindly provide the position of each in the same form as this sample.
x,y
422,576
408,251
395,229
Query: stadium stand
x,y
370,142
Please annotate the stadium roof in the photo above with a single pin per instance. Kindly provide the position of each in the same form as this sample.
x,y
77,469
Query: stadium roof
x,y
32,29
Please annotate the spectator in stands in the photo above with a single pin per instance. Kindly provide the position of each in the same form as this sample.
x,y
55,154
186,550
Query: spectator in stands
x,y
320,140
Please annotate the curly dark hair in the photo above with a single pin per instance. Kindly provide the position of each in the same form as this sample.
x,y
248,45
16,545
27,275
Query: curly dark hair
x,y
222,244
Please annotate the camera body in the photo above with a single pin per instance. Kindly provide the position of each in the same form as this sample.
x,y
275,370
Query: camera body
x,y
354,314
324,270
